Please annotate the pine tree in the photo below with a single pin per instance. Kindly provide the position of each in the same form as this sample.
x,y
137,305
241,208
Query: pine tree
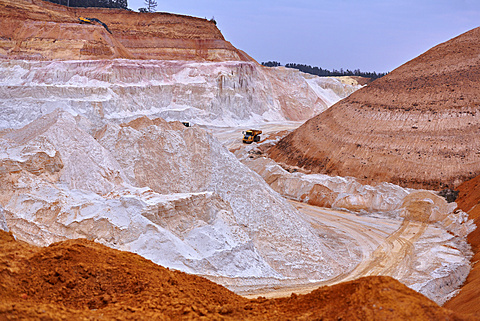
x,y
151,5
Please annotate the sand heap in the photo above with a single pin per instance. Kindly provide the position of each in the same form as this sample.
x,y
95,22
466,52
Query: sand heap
x,y
34,29
3,221
415,127
213,93
83,280
170,193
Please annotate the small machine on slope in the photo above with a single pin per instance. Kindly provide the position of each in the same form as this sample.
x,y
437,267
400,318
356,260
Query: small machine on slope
x,y
251,136
92,20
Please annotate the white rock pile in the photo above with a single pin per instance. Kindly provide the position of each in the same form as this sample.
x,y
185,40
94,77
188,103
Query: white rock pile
x,y
170,193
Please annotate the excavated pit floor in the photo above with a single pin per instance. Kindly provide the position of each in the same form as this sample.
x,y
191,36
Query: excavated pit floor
x,y
385,247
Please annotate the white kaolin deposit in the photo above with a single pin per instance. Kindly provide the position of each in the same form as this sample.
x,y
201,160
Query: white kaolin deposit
x,y
220,94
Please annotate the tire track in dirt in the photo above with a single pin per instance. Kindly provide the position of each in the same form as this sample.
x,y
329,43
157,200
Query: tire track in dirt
x,y
385,244
391,257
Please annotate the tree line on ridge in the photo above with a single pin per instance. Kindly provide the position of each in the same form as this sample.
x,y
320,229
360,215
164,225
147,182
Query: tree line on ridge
x,y
324,72
121,4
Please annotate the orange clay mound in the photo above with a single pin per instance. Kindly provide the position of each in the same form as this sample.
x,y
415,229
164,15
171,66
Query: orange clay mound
x,y
80,279
35,29
468,300
415,127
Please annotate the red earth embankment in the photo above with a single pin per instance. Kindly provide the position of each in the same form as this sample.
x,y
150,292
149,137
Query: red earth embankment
x,y
468,300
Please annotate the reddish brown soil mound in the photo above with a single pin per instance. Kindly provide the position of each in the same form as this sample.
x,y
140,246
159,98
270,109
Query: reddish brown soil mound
x,y
468,300
79,279
34,29
416,127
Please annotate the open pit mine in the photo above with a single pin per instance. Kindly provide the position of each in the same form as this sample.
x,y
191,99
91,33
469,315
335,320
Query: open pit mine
x,y
94,158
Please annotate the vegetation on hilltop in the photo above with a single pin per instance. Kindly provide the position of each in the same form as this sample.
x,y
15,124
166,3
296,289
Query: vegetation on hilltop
x,y
150,6
121,4
324,72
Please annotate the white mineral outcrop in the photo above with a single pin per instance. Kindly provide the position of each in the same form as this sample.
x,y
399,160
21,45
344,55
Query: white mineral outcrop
x,y
220,94
382,200
167,192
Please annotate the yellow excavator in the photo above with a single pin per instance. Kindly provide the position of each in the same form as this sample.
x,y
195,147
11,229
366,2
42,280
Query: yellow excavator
x,y
251,135
92,21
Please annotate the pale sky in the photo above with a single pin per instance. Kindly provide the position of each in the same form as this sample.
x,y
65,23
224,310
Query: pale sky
x,y
372,35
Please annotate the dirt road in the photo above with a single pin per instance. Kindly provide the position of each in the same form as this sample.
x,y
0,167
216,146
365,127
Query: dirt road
x,y
231,137
386,245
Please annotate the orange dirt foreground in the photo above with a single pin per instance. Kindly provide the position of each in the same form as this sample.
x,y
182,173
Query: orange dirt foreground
x,y
80,279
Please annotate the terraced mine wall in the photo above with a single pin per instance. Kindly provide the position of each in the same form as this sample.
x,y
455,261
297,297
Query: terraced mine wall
x,y
41,30
215,93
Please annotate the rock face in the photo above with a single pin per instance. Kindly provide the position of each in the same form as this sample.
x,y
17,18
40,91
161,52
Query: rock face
x,y
34,29
416,127
170,193
174,67
209,93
